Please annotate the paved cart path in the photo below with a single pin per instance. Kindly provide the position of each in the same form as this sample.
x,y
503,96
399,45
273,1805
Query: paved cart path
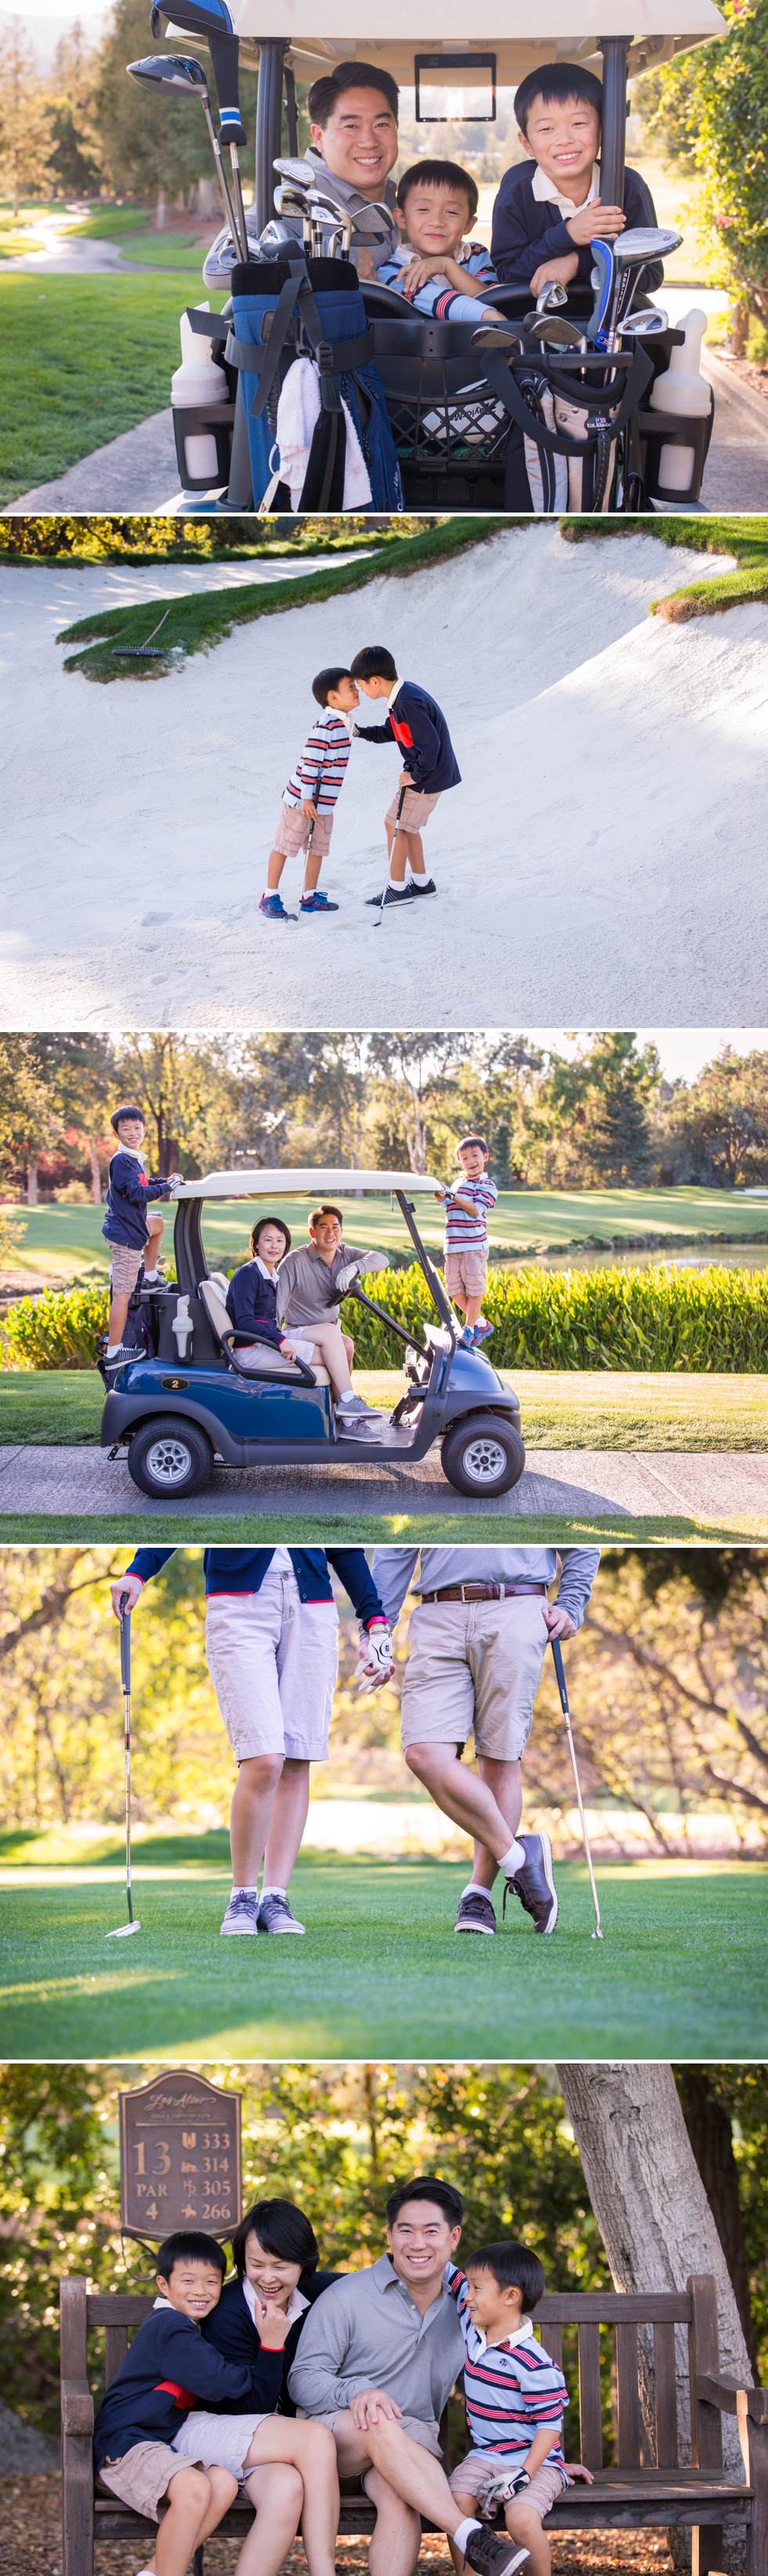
x,y
559,1486
612,810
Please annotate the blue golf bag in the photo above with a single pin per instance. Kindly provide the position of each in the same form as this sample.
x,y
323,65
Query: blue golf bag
x,y
292,307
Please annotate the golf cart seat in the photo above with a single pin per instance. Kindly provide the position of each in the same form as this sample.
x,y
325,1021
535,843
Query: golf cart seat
x,y
253,1357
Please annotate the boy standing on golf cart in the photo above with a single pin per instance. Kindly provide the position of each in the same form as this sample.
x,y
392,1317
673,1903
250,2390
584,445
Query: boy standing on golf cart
x,y
549,210
134,1237
435,267
466,1237
307,810
417,724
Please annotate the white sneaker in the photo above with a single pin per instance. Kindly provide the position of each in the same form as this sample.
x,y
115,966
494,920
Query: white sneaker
x,y
242,1913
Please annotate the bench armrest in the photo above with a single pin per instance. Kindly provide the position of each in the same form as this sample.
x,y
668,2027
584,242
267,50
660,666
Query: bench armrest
x,y
76,2408
732,2399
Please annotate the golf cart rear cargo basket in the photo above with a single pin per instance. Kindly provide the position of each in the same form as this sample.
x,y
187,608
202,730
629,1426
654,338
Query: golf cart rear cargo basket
x,y
443,415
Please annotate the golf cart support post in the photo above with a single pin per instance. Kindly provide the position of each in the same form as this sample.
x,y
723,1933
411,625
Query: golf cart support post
x,y
624,2495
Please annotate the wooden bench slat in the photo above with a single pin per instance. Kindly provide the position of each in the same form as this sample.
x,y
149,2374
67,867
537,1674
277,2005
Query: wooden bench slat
x,y
116,2346
566,2307
628,2395
666,2394
552,2341
590,2406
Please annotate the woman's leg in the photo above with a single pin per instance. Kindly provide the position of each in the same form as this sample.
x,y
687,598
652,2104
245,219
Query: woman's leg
x,y
311,2449
289,1816
251,1814
277,2495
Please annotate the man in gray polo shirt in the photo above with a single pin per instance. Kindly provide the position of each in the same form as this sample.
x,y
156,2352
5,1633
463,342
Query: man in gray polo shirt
x,y
310,1285
475,1652
377,2361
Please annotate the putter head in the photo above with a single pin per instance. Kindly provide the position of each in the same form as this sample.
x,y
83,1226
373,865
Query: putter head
x,y
178,72
122,1931
603,281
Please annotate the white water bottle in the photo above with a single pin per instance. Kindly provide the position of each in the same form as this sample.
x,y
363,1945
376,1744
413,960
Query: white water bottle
x,y
198,380
684,390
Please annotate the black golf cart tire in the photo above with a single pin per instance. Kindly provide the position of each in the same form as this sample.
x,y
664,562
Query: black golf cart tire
x,y
181,1435
482,1428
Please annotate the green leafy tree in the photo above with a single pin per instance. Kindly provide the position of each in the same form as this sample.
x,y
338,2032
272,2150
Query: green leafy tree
x,y
74,143
149,147
716,1128
709,111
25,130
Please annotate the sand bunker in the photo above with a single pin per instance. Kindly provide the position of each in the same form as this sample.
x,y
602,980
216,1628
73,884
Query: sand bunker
x,y
600,864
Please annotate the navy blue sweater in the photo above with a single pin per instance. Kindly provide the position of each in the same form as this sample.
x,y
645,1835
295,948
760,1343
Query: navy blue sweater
x,y
128,1191
242,1569
166,2370
529,229
252,1304
231,2329
418,726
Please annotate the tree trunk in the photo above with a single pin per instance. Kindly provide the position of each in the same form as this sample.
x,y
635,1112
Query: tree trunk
x,y
161,211
709,2130
32,1199
739,329
657,2227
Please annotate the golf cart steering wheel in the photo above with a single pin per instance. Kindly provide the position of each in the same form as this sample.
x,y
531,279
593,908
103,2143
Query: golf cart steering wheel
x,y
227,1343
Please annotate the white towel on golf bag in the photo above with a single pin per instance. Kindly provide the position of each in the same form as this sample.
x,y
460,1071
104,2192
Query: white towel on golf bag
x,y
297,411
572,418
556,467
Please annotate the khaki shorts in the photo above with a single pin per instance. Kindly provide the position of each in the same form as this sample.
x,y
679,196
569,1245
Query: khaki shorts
x,y
474,1664
218,2441
427,2435
273,1660
476,2471
416,809
294,828
126,1264
466,1269
143,2475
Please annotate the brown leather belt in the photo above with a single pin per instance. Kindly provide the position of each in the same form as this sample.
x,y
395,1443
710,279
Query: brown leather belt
x,y
483,1591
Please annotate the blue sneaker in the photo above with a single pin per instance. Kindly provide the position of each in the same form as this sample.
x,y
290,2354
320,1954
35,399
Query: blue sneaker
x,y
466,1341
481,1332
317,903
274,909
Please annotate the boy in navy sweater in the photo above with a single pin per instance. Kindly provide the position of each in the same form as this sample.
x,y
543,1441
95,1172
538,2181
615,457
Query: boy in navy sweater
x,y
549,210
417,724
166,2370
129,1230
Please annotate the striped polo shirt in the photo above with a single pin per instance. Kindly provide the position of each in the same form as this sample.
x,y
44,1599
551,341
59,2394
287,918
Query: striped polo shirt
x,y
319,773
460,1227
510,2388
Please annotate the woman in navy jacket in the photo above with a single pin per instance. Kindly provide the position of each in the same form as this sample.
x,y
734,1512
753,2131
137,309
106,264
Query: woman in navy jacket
x,y
276,2258
252,1293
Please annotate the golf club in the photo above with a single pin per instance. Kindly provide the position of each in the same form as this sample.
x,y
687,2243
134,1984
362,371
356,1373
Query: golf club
x,y
214,24
557,1656
182,74
123,1930
380,906
616,275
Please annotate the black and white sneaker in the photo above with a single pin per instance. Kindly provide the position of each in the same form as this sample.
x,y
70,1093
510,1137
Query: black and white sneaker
x,y
391,894
492,2553
275,1915
427,886
117,1359
534,1883
475,1912
242,1913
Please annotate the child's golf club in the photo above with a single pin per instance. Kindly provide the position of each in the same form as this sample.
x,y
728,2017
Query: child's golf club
x,y
380,907
557,1654
122,1930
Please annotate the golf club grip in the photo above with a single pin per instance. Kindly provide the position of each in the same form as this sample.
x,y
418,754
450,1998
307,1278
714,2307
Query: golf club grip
x,y
557,1658
125,1643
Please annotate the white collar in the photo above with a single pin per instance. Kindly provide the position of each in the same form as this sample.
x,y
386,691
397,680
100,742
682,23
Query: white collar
x,y
175,2312
137,1153
296,2304
520,2334
548,192
396,686
261,1265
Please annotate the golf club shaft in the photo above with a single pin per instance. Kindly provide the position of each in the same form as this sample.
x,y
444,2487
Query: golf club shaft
x,y
400,804
557,1655
238,195
220,172
315,801
125,1665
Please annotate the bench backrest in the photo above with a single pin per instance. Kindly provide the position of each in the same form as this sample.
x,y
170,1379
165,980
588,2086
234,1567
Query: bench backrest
x,y
616,2312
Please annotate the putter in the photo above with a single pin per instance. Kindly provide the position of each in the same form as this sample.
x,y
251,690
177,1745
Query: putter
x,y
380,907
557,1655
123,1930
182,74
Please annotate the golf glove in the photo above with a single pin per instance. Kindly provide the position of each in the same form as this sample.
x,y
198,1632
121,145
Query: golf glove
x,y
375,1663
344,1277
499,2493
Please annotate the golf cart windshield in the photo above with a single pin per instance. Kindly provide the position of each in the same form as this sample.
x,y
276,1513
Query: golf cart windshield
x,y
191,1263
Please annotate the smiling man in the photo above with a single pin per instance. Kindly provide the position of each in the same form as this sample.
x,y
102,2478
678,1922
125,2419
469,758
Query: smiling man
x,y
377,2361
353,118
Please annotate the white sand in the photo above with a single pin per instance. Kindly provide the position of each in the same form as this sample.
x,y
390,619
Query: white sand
x,y
600,864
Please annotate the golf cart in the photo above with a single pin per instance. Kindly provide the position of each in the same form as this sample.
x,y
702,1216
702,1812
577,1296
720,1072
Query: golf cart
x,y
458,401
197,1389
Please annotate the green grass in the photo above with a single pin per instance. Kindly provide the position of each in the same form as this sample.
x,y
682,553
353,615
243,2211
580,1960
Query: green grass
x,y
746,538
560,1409
680,1973
358,1529
63,1245
83,358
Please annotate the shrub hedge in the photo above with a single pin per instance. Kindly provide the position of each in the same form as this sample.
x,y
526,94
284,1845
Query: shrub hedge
x,y
581,1319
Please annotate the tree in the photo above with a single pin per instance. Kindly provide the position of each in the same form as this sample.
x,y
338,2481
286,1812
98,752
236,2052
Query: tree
x,y
74,154
715,1129
148,147
25,134
79,1072
711,108
27,1112
601,1101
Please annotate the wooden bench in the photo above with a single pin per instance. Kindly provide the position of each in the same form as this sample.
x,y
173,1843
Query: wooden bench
x,y
626,2493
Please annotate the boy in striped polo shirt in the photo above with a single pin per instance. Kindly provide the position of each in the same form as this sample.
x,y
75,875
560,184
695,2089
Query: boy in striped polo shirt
x,y
306,813
466,1237
514,2399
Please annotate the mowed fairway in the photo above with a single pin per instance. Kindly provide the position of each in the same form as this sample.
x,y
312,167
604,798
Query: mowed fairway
x,y
680,1973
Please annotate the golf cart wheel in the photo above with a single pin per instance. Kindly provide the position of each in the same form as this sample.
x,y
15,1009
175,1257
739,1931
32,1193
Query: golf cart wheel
x,y
482,1456
169,1458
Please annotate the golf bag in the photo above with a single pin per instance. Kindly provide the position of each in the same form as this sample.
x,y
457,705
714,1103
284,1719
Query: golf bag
x,y
570,450
290,308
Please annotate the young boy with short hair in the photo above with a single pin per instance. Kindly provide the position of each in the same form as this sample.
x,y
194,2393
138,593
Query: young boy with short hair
x,y
167,2367
130,1232
549,209
310,797
417,724
434,266
514,2397
466,1237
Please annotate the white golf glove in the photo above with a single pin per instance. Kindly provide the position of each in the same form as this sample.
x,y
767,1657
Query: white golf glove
x,y
375,1663
344,1277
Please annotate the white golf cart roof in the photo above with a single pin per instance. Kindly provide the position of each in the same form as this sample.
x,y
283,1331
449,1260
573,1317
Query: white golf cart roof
x,y
511,29
291,1184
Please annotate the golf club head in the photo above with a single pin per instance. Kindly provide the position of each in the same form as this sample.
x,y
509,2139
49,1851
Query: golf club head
x,y
299,173
553,328
178,72
603,281
213,23
551,296
647,321
490,335
122,1931
653,241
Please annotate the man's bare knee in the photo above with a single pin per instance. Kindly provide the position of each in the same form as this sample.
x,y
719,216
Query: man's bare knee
x,y
421,1759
